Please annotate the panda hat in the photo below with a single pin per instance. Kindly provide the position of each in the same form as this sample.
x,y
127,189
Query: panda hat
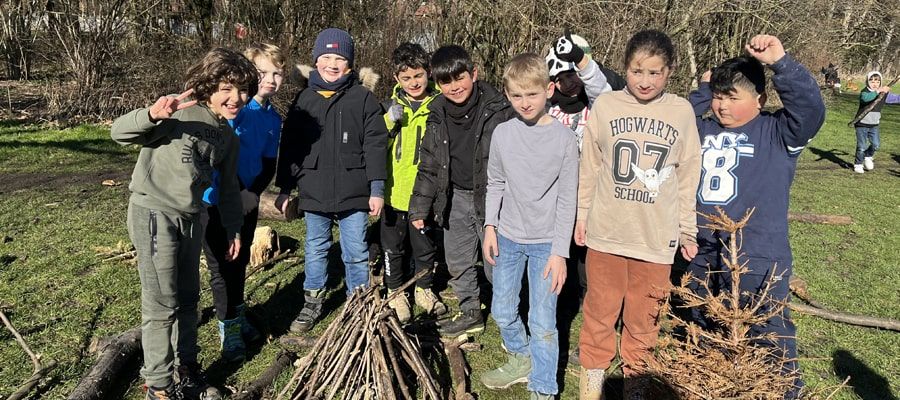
x,y
555,65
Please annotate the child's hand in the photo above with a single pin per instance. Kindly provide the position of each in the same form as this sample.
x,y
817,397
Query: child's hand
x,y
166,106
395,112
281,203
489,246
765,48
556,270
580,232
566,49
884,89
375,206
689,251
706,77
234,249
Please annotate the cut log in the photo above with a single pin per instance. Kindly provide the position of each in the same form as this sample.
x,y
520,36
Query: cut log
x,y
264,247
824,219
268,211
114,357
258,387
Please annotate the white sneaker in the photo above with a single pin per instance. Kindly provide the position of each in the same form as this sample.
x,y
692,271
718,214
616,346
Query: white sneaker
x,y
858,168
869,163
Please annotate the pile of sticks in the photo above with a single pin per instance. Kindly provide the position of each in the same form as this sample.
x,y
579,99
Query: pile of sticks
x,y
363,354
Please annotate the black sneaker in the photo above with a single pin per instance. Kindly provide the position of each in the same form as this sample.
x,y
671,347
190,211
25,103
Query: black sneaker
x,y
168,393
467,322
312,310
192,385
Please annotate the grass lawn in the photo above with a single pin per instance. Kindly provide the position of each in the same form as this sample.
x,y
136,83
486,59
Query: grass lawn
x,y
54,212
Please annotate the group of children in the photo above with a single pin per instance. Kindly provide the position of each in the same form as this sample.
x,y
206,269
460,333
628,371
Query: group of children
x,y
569,161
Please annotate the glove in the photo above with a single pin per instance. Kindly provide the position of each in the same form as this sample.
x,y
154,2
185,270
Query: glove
x,y
566,49
249,201
395,113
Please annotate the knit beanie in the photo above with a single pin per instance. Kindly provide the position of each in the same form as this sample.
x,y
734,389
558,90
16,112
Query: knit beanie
x,y
334,41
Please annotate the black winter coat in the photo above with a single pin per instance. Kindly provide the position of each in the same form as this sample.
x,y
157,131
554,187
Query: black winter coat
x,y
331,148
432,188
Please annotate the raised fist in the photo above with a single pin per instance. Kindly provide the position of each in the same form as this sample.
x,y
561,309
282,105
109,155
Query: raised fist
x,y
566,49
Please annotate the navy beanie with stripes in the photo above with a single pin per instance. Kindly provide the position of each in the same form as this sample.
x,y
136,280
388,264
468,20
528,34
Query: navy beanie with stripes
x,y
334,41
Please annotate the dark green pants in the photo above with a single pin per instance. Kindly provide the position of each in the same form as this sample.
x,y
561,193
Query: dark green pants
x,y
168,250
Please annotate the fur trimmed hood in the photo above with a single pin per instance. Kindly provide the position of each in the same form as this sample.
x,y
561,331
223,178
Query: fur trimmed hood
x,y
367,76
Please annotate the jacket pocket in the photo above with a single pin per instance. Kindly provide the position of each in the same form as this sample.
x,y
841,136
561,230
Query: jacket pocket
x,y
353,160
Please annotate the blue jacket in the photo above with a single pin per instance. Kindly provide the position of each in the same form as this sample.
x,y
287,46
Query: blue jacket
x,y
259,129
753,166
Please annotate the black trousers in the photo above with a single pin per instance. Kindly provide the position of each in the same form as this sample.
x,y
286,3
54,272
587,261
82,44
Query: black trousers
x,y
397,236
226,278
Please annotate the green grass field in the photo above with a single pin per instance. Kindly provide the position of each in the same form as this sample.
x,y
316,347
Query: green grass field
x,y
54,212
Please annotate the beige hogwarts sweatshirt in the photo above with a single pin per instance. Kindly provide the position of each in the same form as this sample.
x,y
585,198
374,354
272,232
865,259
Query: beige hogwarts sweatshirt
x,y
637,185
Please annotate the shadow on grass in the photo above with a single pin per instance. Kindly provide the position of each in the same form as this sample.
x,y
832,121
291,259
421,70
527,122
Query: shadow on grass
x,y
88,146
274,316
866,383
832,155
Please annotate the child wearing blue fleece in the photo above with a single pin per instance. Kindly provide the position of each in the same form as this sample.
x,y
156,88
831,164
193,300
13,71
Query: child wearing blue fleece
x,y
748,161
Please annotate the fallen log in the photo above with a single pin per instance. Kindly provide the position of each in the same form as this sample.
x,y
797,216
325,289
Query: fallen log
x,y
799,289
824,219
114,357
258,387
852,319
268,211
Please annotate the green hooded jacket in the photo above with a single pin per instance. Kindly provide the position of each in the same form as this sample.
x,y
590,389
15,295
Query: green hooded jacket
x,y
405,138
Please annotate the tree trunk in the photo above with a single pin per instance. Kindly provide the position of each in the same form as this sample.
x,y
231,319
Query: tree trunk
x,y
114,357
268,211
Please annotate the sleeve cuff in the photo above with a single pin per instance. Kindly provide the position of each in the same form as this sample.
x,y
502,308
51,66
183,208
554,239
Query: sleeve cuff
x,y
376,188
686,239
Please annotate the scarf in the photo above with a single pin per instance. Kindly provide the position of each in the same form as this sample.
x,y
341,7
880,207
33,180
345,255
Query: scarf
x,y
320,85
570,104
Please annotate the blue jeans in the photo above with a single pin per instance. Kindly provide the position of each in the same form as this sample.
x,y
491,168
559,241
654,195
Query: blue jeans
x,y
544,350
868,139
354,250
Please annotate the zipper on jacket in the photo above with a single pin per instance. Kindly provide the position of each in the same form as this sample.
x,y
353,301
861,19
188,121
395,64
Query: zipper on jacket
x,y
398,146
418,144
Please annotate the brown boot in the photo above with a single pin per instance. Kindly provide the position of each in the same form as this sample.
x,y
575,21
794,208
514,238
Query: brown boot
x,y
590,385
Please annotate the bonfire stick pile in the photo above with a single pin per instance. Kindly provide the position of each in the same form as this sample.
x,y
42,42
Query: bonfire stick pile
x,y
363,354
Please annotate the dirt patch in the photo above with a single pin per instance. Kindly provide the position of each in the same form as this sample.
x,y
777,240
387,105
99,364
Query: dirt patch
x,y
13,182
21,100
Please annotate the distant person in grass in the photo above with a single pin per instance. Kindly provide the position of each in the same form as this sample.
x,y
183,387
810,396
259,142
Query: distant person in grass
x,y
405,117
532,192
182,144
748,161
258,126
868,134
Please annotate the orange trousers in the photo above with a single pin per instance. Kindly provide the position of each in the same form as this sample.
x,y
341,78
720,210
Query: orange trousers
x,y
623,286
